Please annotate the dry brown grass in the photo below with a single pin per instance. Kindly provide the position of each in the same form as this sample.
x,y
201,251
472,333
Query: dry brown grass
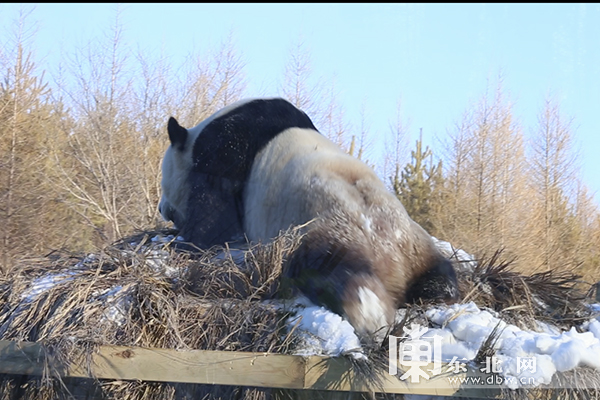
x,y
556,297
212,299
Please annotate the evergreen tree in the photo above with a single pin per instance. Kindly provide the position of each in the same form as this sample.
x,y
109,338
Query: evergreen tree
x,y
417,186
24,116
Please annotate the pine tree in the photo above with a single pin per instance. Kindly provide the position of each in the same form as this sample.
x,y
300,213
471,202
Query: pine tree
x,y
417,186
24,116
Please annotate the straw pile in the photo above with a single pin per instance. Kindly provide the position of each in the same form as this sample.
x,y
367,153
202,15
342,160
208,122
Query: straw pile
x,y
145,292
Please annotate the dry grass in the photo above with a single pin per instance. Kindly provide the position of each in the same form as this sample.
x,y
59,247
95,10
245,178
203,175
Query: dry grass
x,y
556,297
214,299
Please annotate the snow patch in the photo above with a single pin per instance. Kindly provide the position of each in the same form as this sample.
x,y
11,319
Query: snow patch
x,y
550,350
465,261
117,302
45,283
323,332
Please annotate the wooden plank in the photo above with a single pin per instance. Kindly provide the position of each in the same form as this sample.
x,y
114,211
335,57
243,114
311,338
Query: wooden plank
x,y
214,367
163,365
199,366
324,373
21,358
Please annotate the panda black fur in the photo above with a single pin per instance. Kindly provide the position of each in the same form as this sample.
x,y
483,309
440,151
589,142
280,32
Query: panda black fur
x,y
259,166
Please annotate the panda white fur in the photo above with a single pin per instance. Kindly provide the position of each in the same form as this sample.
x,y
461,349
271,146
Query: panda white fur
x,y
260,166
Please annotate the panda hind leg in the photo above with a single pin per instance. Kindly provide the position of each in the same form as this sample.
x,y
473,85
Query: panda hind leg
x,y
367,305
342,279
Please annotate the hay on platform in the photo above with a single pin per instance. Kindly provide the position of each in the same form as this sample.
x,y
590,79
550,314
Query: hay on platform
x,y
209,299
559,297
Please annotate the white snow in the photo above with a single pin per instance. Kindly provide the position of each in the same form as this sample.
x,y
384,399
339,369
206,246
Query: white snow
x,y
463,328
237,255
323,332
594,327
156,257
117,302
44,283
470,326
465,261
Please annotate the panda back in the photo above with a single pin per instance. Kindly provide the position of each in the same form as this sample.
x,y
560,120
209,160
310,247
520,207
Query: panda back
x,y
226,147
301,175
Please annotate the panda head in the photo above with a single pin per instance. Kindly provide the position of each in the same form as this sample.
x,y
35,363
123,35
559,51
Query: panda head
x,y
177,164
175,167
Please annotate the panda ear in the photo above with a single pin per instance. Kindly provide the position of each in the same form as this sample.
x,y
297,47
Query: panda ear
x,y
177,134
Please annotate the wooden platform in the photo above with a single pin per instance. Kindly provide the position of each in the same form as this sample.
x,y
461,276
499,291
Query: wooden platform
x,y
221,368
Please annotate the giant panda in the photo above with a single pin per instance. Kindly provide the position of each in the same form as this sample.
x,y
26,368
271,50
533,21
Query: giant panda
x,y
259,166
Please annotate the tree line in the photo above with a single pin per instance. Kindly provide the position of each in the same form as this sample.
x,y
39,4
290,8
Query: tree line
x,y
494,187
80,154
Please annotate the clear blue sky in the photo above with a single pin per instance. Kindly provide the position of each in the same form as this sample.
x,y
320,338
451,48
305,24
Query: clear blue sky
x,y
435,58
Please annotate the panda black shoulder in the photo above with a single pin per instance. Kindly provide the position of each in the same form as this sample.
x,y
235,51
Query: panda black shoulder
x,y
227,146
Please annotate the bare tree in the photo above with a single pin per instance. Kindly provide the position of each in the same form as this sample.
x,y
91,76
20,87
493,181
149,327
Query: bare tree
x,y
396,153
152,95
362,140
332,120
585,251
209,83
298,86
553,168
457,149
93,165
314,97
485,178
231,79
